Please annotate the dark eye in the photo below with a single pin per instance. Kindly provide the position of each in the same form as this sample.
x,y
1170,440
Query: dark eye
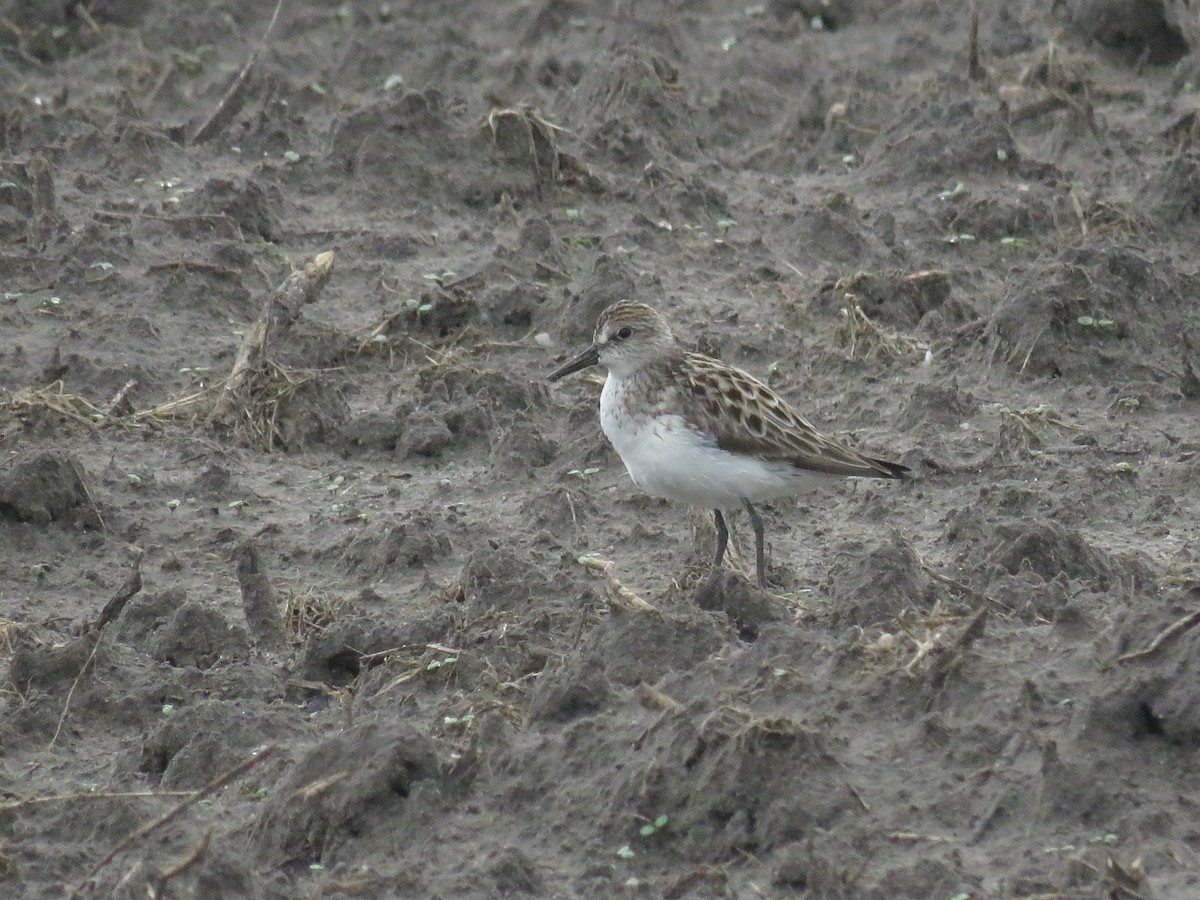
x,y
624,332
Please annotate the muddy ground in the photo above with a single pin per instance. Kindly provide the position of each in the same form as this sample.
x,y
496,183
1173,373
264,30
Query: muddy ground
x,y
343,596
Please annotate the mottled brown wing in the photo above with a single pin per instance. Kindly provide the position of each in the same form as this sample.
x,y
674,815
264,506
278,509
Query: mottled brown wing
x,y
748,417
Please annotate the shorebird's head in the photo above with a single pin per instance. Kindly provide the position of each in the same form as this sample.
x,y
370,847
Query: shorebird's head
x,y
627,337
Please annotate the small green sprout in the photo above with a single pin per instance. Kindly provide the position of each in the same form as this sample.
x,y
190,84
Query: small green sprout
x,y
572,214
291,156
174,503
957,191
1001,154
1092,322
626,852
964,238
651,827
1010,241
439,663
725,224
190,63
583,473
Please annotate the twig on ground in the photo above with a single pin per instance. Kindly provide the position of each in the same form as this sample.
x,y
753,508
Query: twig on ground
x,y
233,100
951,654
974,70
197,853
653,698
280,312
1172,631
121,405
87,664
163,77
933,573
82,11
11,805
619,596
87,492
146,829
11,628
868,338
128,589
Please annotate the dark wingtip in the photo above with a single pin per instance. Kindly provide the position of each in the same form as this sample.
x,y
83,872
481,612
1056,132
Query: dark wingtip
x,y
894,470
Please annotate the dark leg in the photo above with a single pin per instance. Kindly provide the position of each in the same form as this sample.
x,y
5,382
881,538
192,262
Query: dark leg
x,y
722,539
760,553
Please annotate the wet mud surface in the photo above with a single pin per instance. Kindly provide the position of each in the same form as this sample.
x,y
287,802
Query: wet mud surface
x,y
327,549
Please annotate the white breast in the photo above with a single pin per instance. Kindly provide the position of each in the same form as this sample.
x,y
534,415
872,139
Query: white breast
x,y
668,458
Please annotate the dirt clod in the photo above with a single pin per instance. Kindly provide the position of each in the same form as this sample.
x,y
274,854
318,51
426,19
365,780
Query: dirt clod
x,y
46,488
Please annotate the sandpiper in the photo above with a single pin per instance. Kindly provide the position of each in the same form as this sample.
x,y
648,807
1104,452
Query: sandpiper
x,y
693,429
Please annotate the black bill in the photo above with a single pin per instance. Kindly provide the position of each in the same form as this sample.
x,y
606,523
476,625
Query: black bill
x,y
588,357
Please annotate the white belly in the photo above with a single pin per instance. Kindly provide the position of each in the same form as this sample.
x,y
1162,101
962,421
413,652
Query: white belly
x,y
667,458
